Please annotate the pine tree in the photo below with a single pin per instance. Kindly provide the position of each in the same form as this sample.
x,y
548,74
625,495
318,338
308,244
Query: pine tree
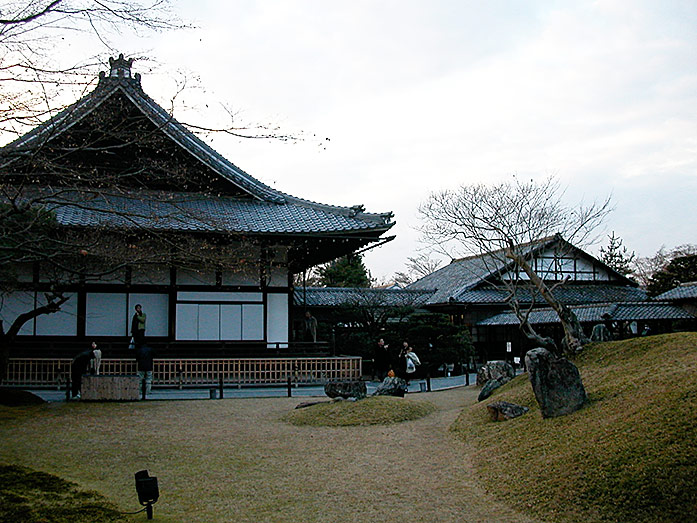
x,y
616,256
347,271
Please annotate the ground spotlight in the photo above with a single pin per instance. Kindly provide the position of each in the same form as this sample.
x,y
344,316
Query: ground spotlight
x,y
146,486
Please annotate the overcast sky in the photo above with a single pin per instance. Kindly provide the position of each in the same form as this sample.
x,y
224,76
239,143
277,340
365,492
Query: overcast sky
x,y
417,96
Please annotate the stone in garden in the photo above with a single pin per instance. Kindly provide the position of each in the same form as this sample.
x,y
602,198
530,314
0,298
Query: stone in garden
x,y
391,387
556,383
503,410
494,370
601,333
306,404
490,386
345,389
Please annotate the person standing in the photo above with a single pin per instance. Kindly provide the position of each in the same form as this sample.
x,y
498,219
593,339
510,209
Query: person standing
x,y
401,363
381,359
97,361
77,368
144,360
138,326
310,327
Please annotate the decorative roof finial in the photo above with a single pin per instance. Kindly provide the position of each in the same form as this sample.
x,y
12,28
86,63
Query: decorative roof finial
x,y
120,67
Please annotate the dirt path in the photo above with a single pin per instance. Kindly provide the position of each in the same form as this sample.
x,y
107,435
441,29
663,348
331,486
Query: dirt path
x,y
413,471
236,460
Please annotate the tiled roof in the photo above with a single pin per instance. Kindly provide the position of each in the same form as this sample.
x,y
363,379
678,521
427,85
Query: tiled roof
x,y
457,277
628,311
339,296
466,280
570,294
684,291
268,211
192,212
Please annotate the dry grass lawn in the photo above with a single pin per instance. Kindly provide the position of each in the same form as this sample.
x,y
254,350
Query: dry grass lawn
x,y
237,460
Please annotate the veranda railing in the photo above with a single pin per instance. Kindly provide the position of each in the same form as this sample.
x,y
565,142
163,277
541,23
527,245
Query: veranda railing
x,y
191,372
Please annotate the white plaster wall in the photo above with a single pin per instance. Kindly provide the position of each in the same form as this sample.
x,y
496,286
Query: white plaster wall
x,y
156,309
61,323
155,275
106,314
277,314
187,321
185,277
253,322
279,277
12,304
244,276
219,296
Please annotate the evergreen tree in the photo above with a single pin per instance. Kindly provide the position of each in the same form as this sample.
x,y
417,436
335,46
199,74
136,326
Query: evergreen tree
x,y
616,256
682,269
347,271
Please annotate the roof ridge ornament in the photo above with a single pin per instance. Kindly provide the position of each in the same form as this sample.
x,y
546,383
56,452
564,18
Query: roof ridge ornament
x,y
120,69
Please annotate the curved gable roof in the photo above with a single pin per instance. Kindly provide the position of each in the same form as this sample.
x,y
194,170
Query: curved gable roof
x,y
307,216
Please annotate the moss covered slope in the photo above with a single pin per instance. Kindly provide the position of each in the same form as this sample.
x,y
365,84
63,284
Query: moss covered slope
x,y
630,455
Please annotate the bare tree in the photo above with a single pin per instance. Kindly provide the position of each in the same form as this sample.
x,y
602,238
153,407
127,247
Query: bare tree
x,y
644,268
504,225
36,81
417,267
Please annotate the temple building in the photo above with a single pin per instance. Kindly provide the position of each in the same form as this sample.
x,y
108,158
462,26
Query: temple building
x,y
209,251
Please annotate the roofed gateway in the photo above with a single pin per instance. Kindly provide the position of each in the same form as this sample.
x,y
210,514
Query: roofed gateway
x,y
117,168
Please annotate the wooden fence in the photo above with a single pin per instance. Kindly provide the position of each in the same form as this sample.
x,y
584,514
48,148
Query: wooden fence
x,y
191,372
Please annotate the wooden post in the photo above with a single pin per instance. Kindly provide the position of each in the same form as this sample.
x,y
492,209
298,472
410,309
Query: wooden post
x,y
221,386
290,392
428,382
68,386
467,374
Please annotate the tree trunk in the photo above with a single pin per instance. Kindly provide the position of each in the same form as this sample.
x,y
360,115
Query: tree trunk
x,y
574,338
54,302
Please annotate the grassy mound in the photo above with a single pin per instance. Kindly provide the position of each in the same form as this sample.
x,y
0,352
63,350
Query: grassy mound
x,y
27,495
18,398
630,455
376,410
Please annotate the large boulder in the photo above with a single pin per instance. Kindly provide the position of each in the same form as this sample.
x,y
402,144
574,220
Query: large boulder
x,y
556,383
490,386
503,410
391,387
346,389
494,370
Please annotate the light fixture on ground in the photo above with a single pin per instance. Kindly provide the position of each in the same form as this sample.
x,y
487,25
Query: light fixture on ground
x,y
148,492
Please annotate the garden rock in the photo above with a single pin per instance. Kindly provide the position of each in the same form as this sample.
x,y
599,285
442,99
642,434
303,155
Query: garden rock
x,y
346,389
494,370
503,410
490,386
556,383
600,333
391,387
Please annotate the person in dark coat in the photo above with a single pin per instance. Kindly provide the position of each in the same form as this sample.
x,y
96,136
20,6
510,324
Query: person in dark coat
x,y
381,359
310,327
77,368
144,355
138,326
401,364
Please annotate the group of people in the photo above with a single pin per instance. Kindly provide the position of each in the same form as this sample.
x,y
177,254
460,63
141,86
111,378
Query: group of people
x,y
91,359
401,364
